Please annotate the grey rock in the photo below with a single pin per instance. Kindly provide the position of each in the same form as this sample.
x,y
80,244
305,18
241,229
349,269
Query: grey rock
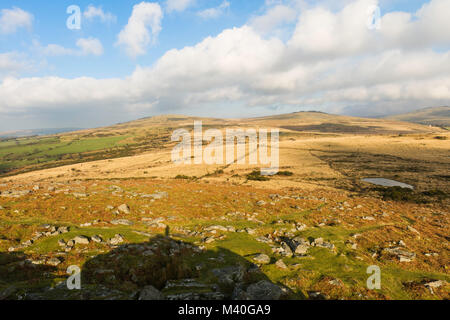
x,y
123,222
63,229
159,195
229,275
264,290
97,239
280,264
116,240
402,255
53,262
262,258
315,295
79,195
286,250
435,284
150,293
301,250
219,228
209,240
124,208
81,240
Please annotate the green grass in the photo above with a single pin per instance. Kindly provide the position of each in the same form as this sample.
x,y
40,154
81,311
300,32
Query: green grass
x,y
19,153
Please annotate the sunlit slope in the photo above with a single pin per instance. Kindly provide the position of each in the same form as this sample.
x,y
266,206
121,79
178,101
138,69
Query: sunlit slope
x,y
439,116
153,134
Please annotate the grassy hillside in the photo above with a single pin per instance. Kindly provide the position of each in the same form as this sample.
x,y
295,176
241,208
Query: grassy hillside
x,y
18,155
312,230
439,116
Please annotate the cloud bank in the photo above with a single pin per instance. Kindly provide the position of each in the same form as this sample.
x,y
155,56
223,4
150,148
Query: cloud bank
x,y
142,29
330,62
14,19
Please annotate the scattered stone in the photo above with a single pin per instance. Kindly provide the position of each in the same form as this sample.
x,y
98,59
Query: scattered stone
x,y
124,208
27,243
250,231
318,241
63,229
413,230
434,284
402,255
286,250
264,290
301,250
61,243
262,258
123,222
97,239
261,203
159,195
229,275
280,264
116,240
53,262
79,195
141,233
315,295
81,240
335,282
219,228
9,291
150,293
209,240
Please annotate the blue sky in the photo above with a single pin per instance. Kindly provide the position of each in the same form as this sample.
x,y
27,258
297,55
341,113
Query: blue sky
x,y
224,58
180,29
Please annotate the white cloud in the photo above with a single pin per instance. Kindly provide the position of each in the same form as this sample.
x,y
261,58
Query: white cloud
x,y
178,5
90,46
329,63
216,12
12,63
93,12
273,18
86,46
142,29
13,19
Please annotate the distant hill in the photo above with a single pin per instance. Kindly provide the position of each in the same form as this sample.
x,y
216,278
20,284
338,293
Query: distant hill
x,y
35,132
438,116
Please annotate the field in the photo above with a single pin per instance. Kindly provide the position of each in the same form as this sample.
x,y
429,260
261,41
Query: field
x,y
219,231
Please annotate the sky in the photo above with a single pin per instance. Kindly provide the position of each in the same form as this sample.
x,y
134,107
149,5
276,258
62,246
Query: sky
x,y
94,63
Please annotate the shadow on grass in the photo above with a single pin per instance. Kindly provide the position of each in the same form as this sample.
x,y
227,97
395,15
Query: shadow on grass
x,y
18,274
177,270
180,271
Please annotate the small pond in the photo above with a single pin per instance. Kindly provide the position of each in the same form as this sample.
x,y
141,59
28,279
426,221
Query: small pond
x,y
387,183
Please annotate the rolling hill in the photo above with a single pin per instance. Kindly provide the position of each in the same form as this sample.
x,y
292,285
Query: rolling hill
x,y
23,154
437,116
